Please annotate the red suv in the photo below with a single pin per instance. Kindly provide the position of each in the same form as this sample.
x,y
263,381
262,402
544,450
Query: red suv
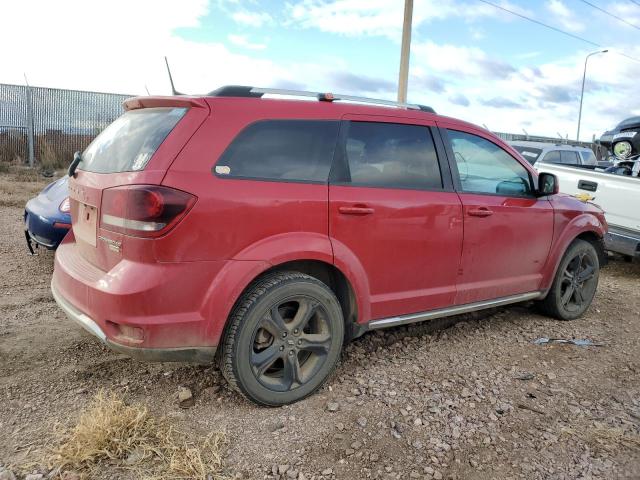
x,y
270,231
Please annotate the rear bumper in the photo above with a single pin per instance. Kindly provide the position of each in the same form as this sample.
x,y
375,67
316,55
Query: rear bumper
x,y
178,354
151,311
42,231
623,241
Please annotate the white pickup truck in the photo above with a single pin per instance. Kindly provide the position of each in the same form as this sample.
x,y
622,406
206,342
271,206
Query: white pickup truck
x,y
617,195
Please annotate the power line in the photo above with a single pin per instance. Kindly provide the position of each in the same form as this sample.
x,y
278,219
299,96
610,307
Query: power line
x,y
550,27
540,23
634,2
620,19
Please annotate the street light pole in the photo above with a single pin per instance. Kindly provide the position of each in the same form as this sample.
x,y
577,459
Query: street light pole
x,y
584,77
403,79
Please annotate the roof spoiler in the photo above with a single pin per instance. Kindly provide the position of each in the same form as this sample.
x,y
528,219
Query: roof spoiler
x,y
184,101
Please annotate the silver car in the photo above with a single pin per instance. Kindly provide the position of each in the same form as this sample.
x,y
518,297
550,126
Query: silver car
x,y
540,152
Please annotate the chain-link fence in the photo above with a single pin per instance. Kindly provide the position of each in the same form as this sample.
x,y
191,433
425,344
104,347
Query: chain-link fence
x,y
46,125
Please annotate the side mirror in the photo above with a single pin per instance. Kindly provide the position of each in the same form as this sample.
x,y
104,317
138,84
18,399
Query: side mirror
x,y
548,184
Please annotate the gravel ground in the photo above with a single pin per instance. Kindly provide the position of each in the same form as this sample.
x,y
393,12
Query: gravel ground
x,y
477,400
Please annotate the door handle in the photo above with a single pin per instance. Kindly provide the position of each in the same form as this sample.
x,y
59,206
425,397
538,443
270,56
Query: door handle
x,y
355,210
480,212
587,185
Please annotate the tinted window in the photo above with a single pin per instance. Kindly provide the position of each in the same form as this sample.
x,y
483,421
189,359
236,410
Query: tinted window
x,y
392,155
484,167
528,153
588,157
281,150
552,157
129,143
569,158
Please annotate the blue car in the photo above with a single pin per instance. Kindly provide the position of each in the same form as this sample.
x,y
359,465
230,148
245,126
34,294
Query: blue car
x,y
47,217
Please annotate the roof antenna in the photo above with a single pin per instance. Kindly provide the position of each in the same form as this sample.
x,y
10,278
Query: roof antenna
x,y
173,89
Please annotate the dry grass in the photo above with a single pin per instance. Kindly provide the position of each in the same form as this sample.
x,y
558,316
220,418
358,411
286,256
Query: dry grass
x,y
50,160
607,438
111,434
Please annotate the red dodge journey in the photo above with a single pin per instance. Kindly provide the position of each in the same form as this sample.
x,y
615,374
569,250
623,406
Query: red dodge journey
x,y
263,233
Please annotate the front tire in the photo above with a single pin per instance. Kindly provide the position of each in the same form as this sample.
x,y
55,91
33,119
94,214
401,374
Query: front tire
x,y
283,340
575,283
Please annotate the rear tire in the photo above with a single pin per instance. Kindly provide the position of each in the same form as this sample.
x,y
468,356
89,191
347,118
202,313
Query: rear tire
x,y
575,283
283,340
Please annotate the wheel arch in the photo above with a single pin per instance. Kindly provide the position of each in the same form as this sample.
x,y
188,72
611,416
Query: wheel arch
x,y
331,276
579,229
598,243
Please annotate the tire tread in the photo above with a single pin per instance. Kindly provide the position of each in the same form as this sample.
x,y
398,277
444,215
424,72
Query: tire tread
x,y
549,306
254,292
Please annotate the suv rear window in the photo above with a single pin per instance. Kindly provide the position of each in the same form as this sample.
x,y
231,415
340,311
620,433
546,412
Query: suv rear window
x,y
588,157
287,150
530,154
129,143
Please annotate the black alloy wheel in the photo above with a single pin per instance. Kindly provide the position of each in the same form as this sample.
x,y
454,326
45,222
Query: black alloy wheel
x,y
575,283
290,343
283,339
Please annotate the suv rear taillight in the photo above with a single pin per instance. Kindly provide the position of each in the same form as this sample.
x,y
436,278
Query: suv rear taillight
x,y
143,210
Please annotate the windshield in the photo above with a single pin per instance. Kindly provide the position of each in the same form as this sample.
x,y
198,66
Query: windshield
x,y
129,143
530,154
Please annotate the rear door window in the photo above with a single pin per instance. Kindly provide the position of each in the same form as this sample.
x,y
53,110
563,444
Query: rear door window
x,y
569,158
390,155
552,157
286,150
129,143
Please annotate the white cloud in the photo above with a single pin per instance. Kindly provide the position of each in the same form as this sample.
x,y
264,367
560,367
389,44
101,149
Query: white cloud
x,y
244,42
626,10
252,19
458,60
565,16
542,99
384,17
119,47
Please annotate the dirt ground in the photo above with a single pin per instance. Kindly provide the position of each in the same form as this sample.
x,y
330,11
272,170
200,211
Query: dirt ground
x,y
478,400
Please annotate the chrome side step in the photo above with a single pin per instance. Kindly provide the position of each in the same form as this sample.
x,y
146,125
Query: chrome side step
x,y
450,311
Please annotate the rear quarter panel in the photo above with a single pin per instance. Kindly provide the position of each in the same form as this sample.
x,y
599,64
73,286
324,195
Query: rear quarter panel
x,y
251,224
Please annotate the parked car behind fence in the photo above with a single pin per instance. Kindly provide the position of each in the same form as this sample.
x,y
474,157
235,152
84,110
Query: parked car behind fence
x,y
47,217
561,154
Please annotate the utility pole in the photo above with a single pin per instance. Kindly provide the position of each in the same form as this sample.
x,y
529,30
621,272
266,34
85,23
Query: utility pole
x,y
403,79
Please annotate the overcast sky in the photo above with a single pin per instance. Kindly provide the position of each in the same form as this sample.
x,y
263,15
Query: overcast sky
x,y
468,59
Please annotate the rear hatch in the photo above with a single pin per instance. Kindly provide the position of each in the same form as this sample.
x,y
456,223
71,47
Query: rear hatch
x,y
117,203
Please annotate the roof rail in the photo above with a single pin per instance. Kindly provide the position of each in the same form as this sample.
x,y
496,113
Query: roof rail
x,y
255,92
